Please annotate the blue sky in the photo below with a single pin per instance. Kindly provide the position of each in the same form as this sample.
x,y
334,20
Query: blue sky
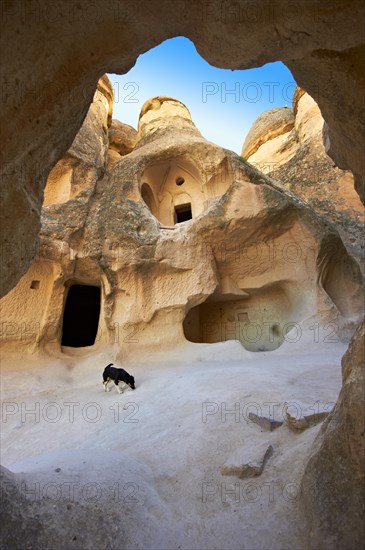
x,y
223,103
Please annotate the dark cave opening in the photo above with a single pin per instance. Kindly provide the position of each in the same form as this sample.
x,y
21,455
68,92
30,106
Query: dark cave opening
x,y
81,316
183,213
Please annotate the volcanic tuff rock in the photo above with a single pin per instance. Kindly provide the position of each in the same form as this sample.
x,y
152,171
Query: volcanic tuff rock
x,y
247,463
266,423
122,137
334,480
71,520
267,126
301,416
180,233
46,93
287,144
162,115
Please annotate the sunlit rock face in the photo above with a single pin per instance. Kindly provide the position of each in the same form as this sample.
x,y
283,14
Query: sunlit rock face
x,y
178,240
287,145
267,127
53,55
122,138
47,91
161,114
333,484
294,155
84,163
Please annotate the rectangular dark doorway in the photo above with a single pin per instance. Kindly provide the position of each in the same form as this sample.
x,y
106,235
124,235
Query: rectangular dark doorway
x,y
81,316
183,213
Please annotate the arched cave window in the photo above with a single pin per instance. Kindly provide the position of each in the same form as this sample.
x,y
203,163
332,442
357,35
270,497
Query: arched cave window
x,y
81,316
173,190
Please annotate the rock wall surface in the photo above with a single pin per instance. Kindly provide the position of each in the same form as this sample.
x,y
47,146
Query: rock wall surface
x,y
48,86
333,483
52,55
178,233
334,480
248,255
287,144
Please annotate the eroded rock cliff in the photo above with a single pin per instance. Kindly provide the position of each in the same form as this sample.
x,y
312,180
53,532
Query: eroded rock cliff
x,y
47,88
177,233
287,144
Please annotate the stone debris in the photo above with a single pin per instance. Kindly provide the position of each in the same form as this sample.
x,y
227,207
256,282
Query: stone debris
x,y
266,423
300,416
247,461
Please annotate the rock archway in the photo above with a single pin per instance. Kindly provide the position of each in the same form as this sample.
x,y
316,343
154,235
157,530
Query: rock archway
x,y
45,87
52,57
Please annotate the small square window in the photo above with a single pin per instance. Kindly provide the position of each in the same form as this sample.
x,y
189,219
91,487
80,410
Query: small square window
x,y
35,285
183,213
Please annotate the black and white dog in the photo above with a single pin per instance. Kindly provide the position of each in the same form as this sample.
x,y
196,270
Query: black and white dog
x,y
117,375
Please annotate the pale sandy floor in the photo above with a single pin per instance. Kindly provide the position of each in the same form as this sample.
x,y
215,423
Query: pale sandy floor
x,y
153,456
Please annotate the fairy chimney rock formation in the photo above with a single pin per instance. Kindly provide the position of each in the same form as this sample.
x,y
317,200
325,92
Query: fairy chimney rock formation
x,y
287,144
163,228
269,125
161,114
53,54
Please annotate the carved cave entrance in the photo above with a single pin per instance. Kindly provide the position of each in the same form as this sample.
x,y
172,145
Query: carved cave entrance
x,y
81,316
220,321
259,320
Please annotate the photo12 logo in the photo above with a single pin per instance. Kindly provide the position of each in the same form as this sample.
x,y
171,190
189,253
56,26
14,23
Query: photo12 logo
x,y
249,492
72,491
67,411
241,412
248,92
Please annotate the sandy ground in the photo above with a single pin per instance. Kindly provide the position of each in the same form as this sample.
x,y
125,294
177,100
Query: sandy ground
x,y
153,456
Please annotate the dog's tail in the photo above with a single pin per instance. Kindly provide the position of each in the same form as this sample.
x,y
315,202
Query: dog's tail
x,y
104,376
